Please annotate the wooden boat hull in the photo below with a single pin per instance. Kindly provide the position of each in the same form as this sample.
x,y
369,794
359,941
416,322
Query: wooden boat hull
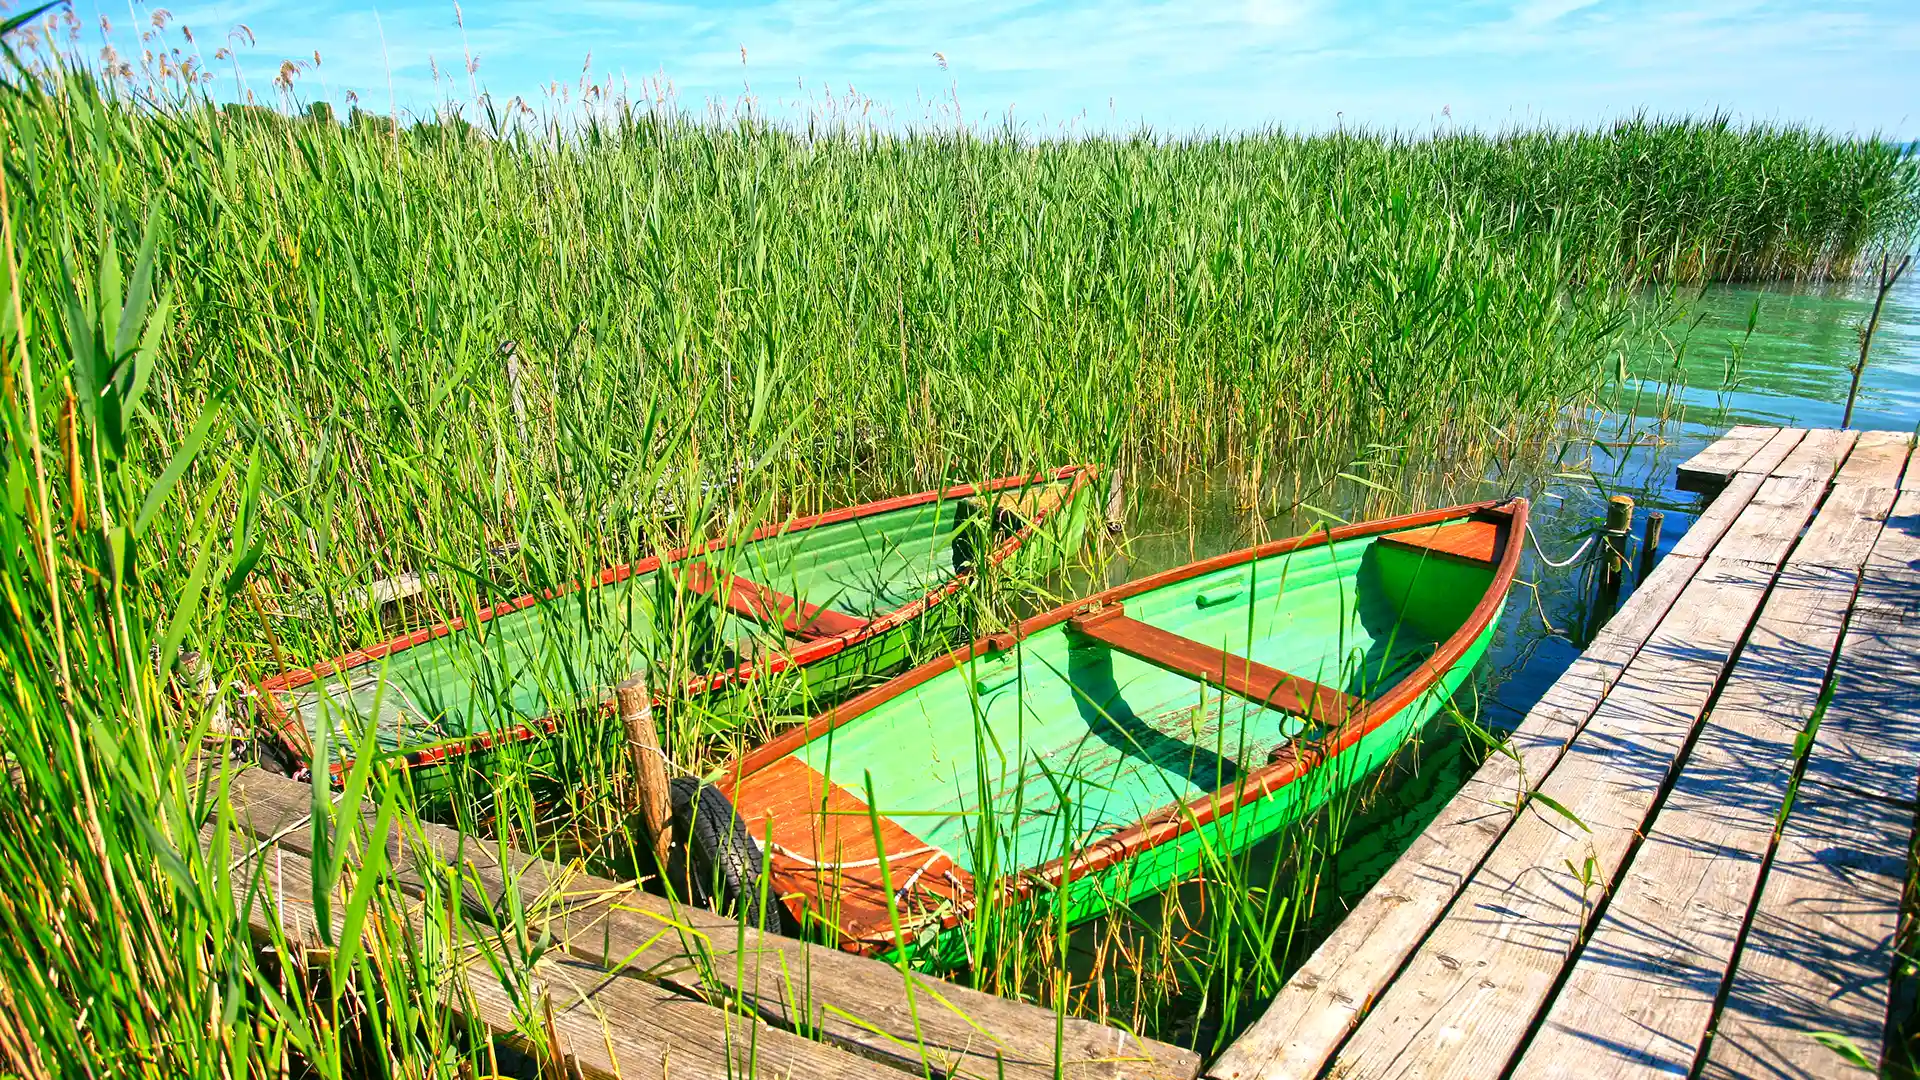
x,y
1158,868
1073,726
463,772
452,703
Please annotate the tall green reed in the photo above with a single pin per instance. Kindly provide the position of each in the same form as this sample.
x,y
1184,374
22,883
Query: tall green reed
x,y
128,953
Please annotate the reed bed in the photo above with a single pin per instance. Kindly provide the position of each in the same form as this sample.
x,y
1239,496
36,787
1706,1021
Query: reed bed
x,y
258,361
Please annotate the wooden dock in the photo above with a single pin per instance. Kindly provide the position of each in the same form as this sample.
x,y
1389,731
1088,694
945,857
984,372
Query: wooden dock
x,y
636,987
1684,867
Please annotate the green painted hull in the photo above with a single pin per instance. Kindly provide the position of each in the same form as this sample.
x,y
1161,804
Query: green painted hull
x,y
1163,866
1019,758
454,709
556,761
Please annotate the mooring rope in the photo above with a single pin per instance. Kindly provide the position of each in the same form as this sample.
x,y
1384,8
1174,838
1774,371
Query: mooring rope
x,y
1564,563
858,864
676,766
908,887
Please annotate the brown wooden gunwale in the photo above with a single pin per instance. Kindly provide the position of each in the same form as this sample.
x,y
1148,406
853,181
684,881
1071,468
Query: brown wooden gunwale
x,y
1177,819
292,736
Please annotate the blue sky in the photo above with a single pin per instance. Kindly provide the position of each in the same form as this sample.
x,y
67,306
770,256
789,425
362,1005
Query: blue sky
x,y
1090,65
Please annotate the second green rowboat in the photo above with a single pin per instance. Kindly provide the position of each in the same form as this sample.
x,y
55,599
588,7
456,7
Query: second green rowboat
x,y
804,610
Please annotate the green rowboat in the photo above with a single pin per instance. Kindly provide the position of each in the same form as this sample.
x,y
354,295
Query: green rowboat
x,y
1101,751
803,610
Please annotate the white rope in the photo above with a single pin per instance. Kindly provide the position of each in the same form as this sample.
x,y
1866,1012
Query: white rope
x,y
1563,564
676,766
858,864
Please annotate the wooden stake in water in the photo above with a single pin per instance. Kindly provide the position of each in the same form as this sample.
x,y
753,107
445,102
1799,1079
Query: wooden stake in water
x,y
649,796
1650,543
1619,527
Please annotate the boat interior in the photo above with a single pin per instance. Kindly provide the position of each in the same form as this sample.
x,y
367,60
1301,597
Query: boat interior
x,y
1089,725
733,605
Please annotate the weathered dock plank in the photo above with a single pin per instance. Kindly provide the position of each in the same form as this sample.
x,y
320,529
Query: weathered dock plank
x,y
1877,459
1767,530
1646,913
1818,455
1316,1009
1869,739
1769,457
1467,1000
856,1003
1645,982
1846,528
591,1023
1887,589
1819,950
1711,468
1698,541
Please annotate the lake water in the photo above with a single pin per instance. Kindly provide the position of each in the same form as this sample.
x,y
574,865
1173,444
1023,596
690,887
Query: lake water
x,y
1729,355
1732,355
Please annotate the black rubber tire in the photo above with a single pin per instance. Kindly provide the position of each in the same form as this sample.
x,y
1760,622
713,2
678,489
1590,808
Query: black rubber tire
x,y
714,854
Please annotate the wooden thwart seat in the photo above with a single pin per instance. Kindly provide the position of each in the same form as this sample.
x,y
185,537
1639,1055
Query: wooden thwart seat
x,y
1479,542
762,604
1030,504
1270,687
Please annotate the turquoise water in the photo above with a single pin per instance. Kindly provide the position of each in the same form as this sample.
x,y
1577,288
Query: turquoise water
x,y
1731,355
1793,369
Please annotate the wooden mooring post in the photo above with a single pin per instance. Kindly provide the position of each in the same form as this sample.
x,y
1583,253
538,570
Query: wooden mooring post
x,y
1116,513
649,796
1650,544
1619,528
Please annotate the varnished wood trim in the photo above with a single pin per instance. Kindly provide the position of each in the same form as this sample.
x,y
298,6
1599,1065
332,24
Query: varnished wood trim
x,y
1263,685
1475,542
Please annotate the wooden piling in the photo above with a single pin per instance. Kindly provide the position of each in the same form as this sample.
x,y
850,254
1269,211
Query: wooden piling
x,y
648,796
1619,527
1650,543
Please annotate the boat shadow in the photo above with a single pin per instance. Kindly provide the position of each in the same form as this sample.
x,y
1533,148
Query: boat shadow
x,y
1104,708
